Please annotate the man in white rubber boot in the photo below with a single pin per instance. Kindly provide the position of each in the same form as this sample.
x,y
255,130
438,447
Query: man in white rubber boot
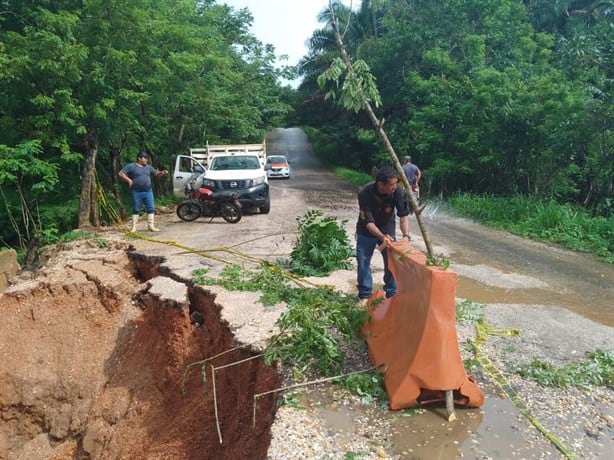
x,y
138,176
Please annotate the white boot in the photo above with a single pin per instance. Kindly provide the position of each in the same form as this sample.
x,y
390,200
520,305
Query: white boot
x,y
135,220
150,223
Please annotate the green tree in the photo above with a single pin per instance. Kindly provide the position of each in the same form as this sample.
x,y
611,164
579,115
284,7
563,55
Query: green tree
x,y
41,61
483,101
94,82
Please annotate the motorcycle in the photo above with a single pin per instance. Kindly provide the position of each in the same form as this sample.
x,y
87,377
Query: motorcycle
x,y
207,203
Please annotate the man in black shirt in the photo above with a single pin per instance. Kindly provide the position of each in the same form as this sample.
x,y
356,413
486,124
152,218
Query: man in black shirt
x,y
377,202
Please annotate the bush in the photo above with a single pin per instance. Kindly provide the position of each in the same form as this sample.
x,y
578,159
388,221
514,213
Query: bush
x,y
564,224
322,247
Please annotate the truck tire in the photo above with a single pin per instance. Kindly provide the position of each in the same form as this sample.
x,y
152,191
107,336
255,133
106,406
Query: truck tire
x,y
266,208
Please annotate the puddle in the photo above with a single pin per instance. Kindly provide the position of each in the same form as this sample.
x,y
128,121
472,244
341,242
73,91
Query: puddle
x,y
338,418
495,431
467,288
497,268
590,305
429,435
508,269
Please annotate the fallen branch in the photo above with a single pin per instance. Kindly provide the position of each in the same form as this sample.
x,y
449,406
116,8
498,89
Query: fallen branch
x,y
298,385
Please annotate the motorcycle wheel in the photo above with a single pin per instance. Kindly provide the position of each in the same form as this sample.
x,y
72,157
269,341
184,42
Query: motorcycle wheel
x,y
231,213
188,211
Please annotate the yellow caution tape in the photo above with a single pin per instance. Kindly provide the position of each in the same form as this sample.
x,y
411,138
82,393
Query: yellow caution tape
x,y
483,330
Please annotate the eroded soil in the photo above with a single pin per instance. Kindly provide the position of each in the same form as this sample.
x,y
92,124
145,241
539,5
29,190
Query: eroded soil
x,y
96,352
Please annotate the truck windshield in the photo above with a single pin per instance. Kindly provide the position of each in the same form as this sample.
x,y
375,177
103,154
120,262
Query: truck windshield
x,y
235,162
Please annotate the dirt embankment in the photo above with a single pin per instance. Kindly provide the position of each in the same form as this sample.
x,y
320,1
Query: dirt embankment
x,y
95,348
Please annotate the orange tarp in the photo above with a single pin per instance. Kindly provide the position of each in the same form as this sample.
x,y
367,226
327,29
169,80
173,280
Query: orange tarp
x,y
413,334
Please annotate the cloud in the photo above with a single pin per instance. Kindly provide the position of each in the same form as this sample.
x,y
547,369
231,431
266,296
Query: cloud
x,y
285,24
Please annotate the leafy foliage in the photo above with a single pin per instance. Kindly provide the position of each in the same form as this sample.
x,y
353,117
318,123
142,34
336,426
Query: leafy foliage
x,y
596,369
271,280
369,387
438,262
358,85
25,179
290,399
315,327
353,177
488,96
351,455
468,311
85,85
322,246
75,235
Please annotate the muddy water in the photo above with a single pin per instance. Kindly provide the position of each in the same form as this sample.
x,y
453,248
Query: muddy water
x,y
426,434
496,267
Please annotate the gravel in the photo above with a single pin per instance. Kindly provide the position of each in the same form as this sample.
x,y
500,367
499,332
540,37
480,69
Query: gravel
x,y
581,421
325,422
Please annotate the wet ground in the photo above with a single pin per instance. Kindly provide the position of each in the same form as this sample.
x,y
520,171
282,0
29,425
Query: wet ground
x,y
426,434
76,323
493,267
525,272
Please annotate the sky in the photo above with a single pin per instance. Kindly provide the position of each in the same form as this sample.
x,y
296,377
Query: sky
x,y
285,24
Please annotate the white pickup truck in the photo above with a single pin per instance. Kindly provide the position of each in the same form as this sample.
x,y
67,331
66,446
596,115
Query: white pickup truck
x,y
238,167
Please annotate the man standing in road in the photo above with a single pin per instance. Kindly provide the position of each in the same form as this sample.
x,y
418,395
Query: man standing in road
x,y
377,202
138,176
413,174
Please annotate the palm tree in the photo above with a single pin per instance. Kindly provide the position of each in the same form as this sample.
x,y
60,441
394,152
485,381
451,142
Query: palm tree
x,y
356,27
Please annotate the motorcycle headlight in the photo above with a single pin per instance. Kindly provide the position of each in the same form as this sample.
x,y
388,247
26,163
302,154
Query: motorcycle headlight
x,y
209,183
259,180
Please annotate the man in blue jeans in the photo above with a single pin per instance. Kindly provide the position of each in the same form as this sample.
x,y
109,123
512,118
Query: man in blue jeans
x,y
377,202
138,176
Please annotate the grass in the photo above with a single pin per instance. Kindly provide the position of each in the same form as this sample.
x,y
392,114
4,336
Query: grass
x,y
322,246
566,225
596,369
470,312
353,177
317,324
569,226
369,387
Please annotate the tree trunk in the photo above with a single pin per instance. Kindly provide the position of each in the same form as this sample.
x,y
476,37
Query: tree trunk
x,y
115,186
87,200
94,208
